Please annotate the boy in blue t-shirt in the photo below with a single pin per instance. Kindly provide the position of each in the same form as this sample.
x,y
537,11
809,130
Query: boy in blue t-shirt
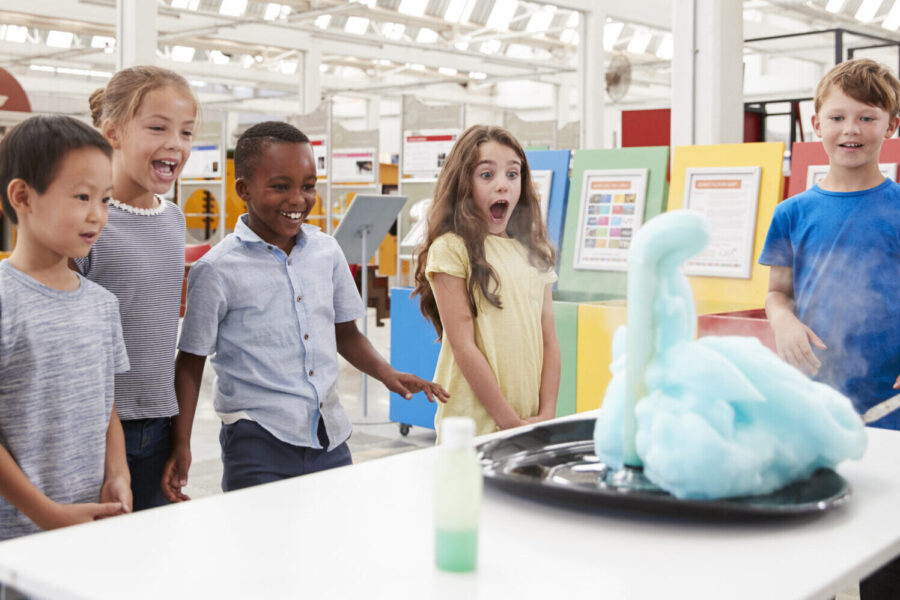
x,y
273,304
834,252
62,452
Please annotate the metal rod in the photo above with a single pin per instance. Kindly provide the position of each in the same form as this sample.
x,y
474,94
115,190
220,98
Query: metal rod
x,y
365,323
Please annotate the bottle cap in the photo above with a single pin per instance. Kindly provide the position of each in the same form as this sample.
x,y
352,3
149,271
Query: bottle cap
x,y
457,432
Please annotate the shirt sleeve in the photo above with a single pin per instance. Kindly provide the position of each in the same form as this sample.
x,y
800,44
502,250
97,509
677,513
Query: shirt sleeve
x,y
348,306
448,255
206,307
118,340
778,250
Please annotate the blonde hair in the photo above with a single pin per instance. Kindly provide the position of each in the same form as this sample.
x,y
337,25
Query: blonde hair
x,y
121,99
864,80
454,210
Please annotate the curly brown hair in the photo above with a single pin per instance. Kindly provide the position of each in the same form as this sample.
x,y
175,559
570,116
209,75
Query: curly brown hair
x,y
454,211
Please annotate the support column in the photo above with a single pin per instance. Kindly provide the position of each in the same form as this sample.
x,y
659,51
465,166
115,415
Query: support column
x,y
707,72
310,81
135,33
592,77
563,91
373,112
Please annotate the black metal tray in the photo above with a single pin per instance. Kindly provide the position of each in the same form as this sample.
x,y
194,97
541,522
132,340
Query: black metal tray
x,y
556,462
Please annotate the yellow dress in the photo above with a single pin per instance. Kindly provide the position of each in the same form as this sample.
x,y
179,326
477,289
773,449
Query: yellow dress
x,y
510,338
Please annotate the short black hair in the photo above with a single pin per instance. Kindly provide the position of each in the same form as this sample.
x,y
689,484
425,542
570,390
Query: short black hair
x,y
249,147
34,149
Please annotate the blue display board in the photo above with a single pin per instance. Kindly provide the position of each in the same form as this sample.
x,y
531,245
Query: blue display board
x,y
558,162
413,350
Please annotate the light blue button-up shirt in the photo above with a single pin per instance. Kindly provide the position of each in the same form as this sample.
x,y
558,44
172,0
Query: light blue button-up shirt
x,y
267,318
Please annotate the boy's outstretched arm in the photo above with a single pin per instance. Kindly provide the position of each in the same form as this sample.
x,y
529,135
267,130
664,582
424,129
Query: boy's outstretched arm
x,y
550,370
793,339
117,478
44,512
188,373
359,352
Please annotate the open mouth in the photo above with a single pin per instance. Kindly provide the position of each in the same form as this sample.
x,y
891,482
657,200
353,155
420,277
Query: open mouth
x,y
293,216
90,238
498,211
851,145
165,168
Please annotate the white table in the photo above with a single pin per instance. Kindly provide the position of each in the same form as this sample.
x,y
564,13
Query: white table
x,y
366,532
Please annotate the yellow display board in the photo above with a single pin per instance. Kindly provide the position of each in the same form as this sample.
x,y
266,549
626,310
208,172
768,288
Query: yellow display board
x,y
598,322
734,294
596,325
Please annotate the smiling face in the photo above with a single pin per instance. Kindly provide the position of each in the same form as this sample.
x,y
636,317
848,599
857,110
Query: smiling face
x,y
852,132
153,146
68,217
281,192
497,184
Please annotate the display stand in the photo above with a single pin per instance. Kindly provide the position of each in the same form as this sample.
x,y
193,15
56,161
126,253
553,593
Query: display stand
x,y
419,121
557,163
317,126
359,234
205,170
537,135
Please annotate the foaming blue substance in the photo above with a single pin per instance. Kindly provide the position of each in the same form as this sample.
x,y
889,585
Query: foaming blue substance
x,y
725,416
721,416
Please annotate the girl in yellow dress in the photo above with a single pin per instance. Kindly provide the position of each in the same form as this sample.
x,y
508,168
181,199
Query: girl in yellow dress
x,y
485,275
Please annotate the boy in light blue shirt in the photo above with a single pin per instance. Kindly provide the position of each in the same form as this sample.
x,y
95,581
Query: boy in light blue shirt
x,y
273,304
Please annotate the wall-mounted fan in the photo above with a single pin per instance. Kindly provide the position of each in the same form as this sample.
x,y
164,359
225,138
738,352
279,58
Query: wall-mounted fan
x,y
618,77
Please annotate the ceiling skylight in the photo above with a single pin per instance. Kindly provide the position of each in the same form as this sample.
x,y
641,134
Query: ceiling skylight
x,y
182,53
233,8
415,8
502,14
358,25
60,39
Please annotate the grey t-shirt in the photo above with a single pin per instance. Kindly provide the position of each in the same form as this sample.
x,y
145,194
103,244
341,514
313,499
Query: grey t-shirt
x,y
59,353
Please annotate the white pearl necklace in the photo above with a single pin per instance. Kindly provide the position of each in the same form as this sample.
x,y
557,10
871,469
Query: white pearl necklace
x,y
140,211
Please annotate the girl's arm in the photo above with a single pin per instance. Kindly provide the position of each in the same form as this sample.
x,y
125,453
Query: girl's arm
x,y
117,478
188,374
551,367
793,339
44,512
359,352
459,331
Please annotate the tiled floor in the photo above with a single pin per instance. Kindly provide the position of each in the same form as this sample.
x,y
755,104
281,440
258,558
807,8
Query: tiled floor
x,y
373,436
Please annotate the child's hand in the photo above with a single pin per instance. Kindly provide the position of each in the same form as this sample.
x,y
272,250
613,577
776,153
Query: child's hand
x,y
116,489
406,384
64,515
175,473
794,341
539,418
897,383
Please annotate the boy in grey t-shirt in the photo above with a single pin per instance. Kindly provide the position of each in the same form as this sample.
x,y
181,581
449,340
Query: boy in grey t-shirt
x,y
62,453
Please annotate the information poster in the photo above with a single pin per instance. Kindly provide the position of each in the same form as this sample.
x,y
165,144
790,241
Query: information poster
x,y
320,149
353,165
816,173
424,152
542,180
610,213
203,163
728,197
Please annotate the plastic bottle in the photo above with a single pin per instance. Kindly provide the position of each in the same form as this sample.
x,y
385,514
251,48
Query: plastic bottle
x,y
457,497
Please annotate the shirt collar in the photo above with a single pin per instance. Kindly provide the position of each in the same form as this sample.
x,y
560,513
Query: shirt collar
x,y
247,236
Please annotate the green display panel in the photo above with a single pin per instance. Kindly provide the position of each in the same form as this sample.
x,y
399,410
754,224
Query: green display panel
x,y
566,315
595,285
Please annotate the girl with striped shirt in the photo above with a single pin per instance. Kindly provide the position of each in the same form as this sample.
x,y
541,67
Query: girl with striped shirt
x,y
148,115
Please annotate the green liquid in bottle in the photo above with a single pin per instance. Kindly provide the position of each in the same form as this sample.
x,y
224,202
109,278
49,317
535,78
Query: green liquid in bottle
x,y
456,550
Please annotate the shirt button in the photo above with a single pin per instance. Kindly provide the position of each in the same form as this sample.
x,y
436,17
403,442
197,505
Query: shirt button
x,y
269,247
305,336
310,372
299,298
